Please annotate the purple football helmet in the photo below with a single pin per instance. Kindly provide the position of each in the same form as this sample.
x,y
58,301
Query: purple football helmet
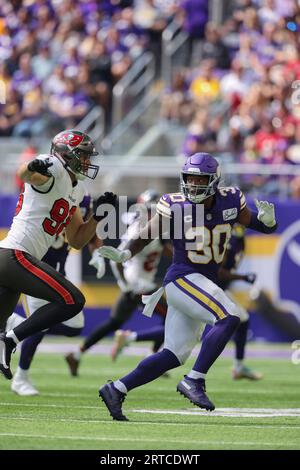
x,y
200,164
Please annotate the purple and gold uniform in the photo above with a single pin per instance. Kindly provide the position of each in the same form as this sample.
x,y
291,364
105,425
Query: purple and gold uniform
x,y
218,222
191,283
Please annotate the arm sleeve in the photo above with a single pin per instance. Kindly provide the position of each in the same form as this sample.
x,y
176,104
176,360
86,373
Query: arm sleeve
x,y
163,207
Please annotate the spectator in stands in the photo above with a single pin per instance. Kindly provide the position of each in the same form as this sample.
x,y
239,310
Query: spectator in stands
x,y
42,63
68,107
201,136
193,15
176,103
5,76
55,83
24,79
267,12
214,48
205,86
33,121
10,112
232,86
100,69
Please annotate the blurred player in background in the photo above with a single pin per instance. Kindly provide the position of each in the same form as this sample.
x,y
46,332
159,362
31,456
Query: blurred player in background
x,y
227,274
135,277
48,205
191,283
56,257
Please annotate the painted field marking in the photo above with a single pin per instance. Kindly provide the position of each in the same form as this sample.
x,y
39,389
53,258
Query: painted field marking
x,y
231,412
160,440
223,412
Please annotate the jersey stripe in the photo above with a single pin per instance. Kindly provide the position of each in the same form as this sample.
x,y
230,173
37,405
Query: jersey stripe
x,y
243,201
44,277
204,300
161,201
163,210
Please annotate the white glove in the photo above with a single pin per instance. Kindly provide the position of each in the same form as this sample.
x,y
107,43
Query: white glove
x,y
266,212
98,263
118,256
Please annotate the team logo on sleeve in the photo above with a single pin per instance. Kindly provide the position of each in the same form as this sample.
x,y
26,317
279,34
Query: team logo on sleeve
x,y
229,214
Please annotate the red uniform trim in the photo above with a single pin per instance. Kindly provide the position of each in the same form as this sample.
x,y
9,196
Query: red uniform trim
x,y
45,277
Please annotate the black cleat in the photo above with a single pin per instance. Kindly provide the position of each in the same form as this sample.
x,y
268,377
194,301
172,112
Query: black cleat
x,y
113,400
195,392
73,364
7,347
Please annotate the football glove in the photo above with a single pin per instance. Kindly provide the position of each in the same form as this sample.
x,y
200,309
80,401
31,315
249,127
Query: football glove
x,y
266,212
251,278
40,166
118,256
98,263
106,198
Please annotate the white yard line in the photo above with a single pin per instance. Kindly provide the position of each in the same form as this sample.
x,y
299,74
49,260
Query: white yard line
x,y
225,412
160,440
231,412
151,423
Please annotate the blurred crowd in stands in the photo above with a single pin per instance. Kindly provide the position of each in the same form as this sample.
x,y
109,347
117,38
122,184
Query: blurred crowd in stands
x,y
58,58
241,94
238,93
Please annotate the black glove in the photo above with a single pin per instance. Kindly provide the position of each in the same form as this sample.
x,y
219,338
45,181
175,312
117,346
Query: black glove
x,y
106,198
251,277
40,166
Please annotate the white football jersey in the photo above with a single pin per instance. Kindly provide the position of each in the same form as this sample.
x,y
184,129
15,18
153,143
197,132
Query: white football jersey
x,y
141,269
43,211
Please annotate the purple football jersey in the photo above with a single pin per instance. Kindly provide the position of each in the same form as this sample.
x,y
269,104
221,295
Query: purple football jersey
x,y
57,255
207,250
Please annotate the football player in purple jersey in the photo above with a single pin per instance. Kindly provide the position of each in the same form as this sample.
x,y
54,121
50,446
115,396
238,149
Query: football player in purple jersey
x,y
227,274
56,257
198,220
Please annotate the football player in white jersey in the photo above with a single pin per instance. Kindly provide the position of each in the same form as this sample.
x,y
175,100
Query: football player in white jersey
x,y
135,277
48,205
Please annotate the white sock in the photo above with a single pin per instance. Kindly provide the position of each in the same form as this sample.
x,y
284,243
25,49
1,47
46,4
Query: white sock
x,y
132,336
120,386
238,363
194,374
10,334
21,373
77,354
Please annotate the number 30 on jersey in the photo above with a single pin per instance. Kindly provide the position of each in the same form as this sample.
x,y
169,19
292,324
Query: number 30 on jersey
x,y
212,244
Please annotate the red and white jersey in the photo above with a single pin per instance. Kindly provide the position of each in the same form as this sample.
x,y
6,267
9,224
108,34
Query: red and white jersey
x,y
43,211
141,269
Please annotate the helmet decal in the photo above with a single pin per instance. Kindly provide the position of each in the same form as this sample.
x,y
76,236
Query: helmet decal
x,y
76,148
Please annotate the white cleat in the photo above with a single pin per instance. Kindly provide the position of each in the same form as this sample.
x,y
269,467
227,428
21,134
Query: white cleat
x,y
23,387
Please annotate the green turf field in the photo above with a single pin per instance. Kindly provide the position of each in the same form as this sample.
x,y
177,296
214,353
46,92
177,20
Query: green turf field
x,y
69,415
